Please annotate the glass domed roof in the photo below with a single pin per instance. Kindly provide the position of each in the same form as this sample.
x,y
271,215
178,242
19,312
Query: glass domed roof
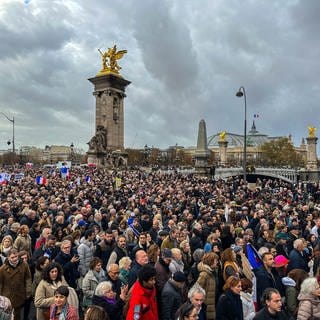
x,y
254,138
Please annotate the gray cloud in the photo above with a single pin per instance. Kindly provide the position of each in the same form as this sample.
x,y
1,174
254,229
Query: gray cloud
x,y
185,59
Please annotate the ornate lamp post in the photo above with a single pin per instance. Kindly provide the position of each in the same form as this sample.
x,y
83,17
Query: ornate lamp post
x,y
72,152
13,141
146,154
242,93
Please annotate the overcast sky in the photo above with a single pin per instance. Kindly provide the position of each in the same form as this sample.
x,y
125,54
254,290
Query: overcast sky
x,y
186,59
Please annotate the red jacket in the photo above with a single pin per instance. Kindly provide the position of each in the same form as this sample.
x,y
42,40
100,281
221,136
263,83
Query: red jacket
x,y
143,303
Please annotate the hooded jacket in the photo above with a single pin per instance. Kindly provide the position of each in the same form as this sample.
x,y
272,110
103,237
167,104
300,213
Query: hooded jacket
x,y
143,303
309,307
207,281
291,294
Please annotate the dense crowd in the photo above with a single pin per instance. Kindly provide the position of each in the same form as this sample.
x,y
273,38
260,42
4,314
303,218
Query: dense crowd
x,y
95,244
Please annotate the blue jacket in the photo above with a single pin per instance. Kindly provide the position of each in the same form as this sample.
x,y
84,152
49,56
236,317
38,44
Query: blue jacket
x,y
297,261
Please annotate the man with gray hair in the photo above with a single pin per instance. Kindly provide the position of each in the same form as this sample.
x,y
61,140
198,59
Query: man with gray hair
x,y
13,231
69,261
297,256
196,296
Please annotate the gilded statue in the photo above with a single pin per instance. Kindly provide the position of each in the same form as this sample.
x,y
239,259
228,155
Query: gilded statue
x,y
312,132
109,60
222,136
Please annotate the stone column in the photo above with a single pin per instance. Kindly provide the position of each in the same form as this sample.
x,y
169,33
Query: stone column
x,y
223,152
109,91
202,152
312,154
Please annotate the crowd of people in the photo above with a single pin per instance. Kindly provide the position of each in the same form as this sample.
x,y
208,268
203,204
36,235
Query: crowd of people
x,y
136,245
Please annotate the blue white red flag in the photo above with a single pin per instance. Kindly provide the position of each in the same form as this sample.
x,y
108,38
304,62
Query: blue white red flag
x,y
41,180
65,172
88,179
253,256
4,177
256,115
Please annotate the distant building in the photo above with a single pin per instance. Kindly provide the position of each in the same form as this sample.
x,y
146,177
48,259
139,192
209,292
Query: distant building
x,y
255,139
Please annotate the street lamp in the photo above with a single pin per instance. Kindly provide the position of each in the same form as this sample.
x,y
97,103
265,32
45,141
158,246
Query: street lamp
x,y
72,151
12,121
242,93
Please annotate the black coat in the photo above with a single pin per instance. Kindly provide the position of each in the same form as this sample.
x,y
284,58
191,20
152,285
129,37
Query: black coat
x,y
229,307
264,314
264,280
70,269
103,251
114,311
171,300
297,261
133,273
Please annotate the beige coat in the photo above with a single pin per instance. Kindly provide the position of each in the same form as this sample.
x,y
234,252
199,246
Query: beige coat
x,y
309,307
44,296
23,243
207,281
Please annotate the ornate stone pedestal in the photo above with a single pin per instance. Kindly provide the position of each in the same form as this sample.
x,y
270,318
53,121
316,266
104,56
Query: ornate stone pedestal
x,y
223,152
312,160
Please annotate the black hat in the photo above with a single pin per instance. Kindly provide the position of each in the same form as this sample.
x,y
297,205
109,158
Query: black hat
x,y
166,253
179,277
163,233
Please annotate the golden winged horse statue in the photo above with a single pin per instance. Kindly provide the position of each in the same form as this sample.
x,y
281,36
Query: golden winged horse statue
x,y
111,66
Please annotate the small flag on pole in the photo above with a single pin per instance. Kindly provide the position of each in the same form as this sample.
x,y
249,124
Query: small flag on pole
x,y
256,115
88,179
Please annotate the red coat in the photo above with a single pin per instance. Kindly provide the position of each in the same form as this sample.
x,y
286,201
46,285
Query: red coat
x,y
143,303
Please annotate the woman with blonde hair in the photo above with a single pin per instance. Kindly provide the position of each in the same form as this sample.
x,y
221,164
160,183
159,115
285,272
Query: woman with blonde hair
x,y
124,266
176,263
5,246
23,240
230,267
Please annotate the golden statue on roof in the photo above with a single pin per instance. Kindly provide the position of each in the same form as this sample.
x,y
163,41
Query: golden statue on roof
x,y
222,136
312,132
109,60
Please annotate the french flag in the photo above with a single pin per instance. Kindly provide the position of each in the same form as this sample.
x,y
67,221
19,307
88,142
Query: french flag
x,y
88,179
4,178
253,256
65,172
255,262
41,180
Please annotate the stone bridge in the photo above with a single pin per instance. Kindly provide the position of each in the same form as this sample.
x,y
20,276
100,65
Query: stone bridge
x,y
288,175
